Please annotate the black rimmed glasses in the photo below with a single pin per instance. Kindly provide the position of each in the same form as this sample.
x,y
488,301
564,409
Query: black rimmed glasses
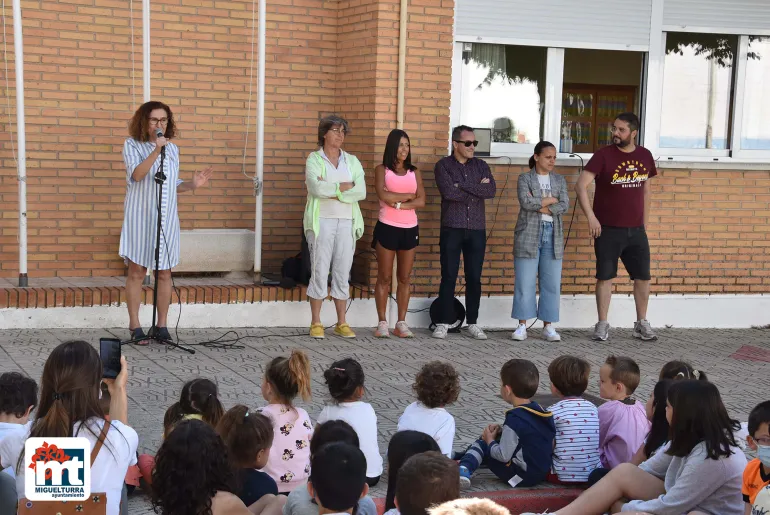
x,y
156,121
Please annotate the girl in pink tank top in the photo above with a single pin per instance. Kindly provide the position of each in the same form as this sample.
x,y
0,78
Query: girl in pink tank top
x,y
396,235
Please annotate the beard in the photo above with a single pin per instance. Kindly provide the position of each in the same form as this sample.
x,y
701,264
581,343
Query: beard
x,y
621,142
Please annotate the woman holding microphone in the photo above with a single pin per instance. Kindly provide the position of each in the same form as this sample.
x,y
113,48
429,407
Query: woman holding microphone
x,y
150,130
538,243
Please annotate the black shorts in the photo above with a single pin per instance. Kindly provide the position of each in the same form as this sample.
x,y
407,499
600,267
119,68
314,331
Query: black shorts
x,y
627,243
396,238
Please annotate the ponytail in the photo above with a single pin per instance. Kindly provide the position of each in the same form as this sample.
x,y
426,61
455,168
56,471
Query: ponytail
x,y
299,366
542,145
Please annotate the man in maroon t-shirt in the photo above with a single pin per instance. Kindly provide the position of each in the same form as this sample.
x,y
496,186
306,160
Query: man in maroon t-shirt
x,y
618,219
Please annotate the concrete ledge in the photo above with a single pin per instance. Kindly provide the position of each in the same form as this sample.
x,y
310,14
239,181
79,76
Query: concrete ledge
x,y
216,250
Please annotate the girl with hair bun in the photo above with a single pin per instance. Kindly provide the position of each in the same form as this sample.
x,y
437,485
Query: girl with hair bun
x,y
345,379
289,461
538,243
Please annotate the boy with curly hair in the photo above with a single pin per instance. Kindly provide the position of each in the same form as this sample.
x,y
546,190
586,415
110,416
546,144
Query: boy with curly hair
x,y
437,385
519,451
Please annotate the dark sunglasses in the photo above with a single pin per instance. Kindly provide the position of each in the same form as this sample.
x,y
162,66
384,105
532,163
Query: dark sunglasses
x,y
467,143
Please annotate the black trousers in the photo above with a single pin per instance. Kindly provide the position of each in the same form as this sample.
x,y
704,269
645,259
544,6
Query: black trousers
x,y
472,244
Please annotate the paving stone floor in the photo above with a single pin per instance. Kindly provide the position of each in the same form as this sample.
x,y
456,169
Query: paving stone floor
x,y
738,361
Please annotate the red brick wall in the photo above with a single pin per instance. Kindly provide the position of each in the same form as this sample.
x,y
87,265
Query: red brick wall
x,y
708,228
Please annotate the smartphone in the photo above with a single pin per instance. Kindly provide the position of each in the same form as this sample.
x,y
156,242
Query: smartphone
x,y
109,351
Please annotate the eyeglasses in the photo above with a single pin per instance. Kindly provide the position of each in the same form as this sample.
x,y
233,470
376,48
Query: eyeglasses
x,y
467,143
156,121
339,130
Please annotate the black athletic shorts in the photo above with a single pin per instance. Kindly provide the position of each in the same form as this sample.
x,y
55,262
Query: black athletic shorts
x,y
627,243
396,238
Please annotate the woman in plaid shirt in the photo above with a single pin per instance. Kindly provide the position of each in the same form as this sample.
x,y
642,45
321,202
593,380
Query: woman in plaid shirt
x,y
538,243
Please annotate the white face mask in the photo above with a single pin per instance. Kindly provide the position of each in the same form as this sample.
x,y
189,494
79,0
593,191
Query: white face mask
x,y
763,453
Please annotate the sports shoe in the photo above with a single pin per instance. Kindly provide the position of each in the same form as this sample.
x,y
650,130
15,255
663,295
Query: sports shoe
x,y
465,478
643,330
344,330
476,332
317,331
382,330
402,330
550,334
601,331
520,334
440,331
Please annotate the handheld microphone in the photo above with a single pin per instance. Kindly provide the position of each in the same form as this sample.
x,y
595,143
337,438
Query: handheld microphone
x,y
159,134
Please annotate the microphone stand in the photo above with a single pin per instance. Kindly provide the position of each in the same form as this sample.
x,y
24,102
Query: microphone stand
x,y
152,334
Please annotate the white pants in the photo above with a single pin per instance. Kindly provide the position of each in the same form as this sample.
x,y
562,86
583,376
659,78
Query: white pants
x,y
332,248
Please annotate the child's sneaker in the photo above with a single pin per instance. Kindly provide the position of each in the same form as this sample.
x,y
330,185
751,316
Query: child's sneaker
x,y
382,330
465,478
520,334
550,334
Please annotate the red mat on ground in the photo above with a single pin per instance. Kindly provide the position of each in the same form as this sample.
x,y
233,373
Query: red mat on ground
x,y
750,353
521,500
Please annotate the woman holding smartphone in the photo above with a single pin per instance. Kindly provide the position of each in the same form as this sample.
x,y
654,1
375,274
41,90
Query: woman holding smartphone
x,y
538,243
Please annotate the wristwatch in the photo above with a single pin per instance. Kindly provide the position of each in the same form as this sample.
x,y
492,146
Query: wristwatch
x,y
398,205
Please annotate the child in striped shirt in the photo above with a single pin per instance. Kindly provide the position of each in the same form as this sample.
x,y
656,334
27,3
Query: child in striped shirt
x,y
576,445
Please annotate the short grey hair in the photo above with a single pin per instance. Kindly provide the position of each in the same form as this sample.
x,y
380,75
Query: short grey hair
x,y
329,122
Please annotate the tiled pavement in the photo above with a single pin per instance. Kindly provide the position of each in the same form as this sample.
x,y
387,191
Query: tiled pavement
x,y
157,372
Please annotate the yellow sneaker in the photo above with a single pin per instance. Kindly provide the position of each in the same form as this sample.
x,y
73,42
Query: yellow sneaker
x,y
317,331
344,330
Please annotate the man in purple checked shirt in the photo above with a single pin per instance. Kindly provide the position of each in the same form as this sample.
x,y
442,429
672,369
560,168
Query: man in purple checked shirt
x,y
464,182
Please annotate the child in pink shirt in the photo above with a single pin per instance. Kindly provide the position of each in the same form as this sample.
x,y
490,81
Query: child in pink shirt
x,y
623,423
289,461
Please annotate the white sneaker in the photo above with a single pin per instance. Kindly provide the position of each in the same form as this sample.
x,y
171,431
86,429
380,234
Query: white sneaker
x,y
476,332
440,331
520,334
550,334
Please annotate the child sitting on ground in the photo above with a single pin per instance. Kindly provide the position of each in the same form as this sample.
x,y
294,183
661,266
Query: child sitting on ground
x,y
133,474
199,401
248,436
425,480
345,379
757,473
289,461
338,478
677,370
18,397
402,446
576,448
519,452
299,501
436,385
623,422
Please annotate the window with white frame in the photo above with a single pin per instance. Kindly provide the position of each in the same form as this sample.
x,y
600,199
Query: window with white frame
x,y
697,96
755,129
502,87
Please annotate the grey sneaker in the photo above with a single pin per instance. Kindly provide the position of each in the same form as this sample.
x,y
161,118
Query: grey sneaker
x,y
476,332
643,330
601,331
440,331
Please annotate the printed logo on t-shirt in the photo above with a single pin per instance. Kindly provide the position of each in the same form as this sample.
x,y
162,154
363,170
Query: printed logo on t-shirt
x,y
630,174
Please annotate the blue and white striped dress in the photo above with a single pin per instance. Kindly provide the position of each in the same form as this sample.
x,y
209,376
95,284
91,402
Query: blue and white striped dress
x,y
137,238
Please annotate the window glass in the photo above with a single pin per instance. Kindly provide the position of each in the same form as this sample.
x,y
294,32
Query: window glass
x,y
697,91
503,89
